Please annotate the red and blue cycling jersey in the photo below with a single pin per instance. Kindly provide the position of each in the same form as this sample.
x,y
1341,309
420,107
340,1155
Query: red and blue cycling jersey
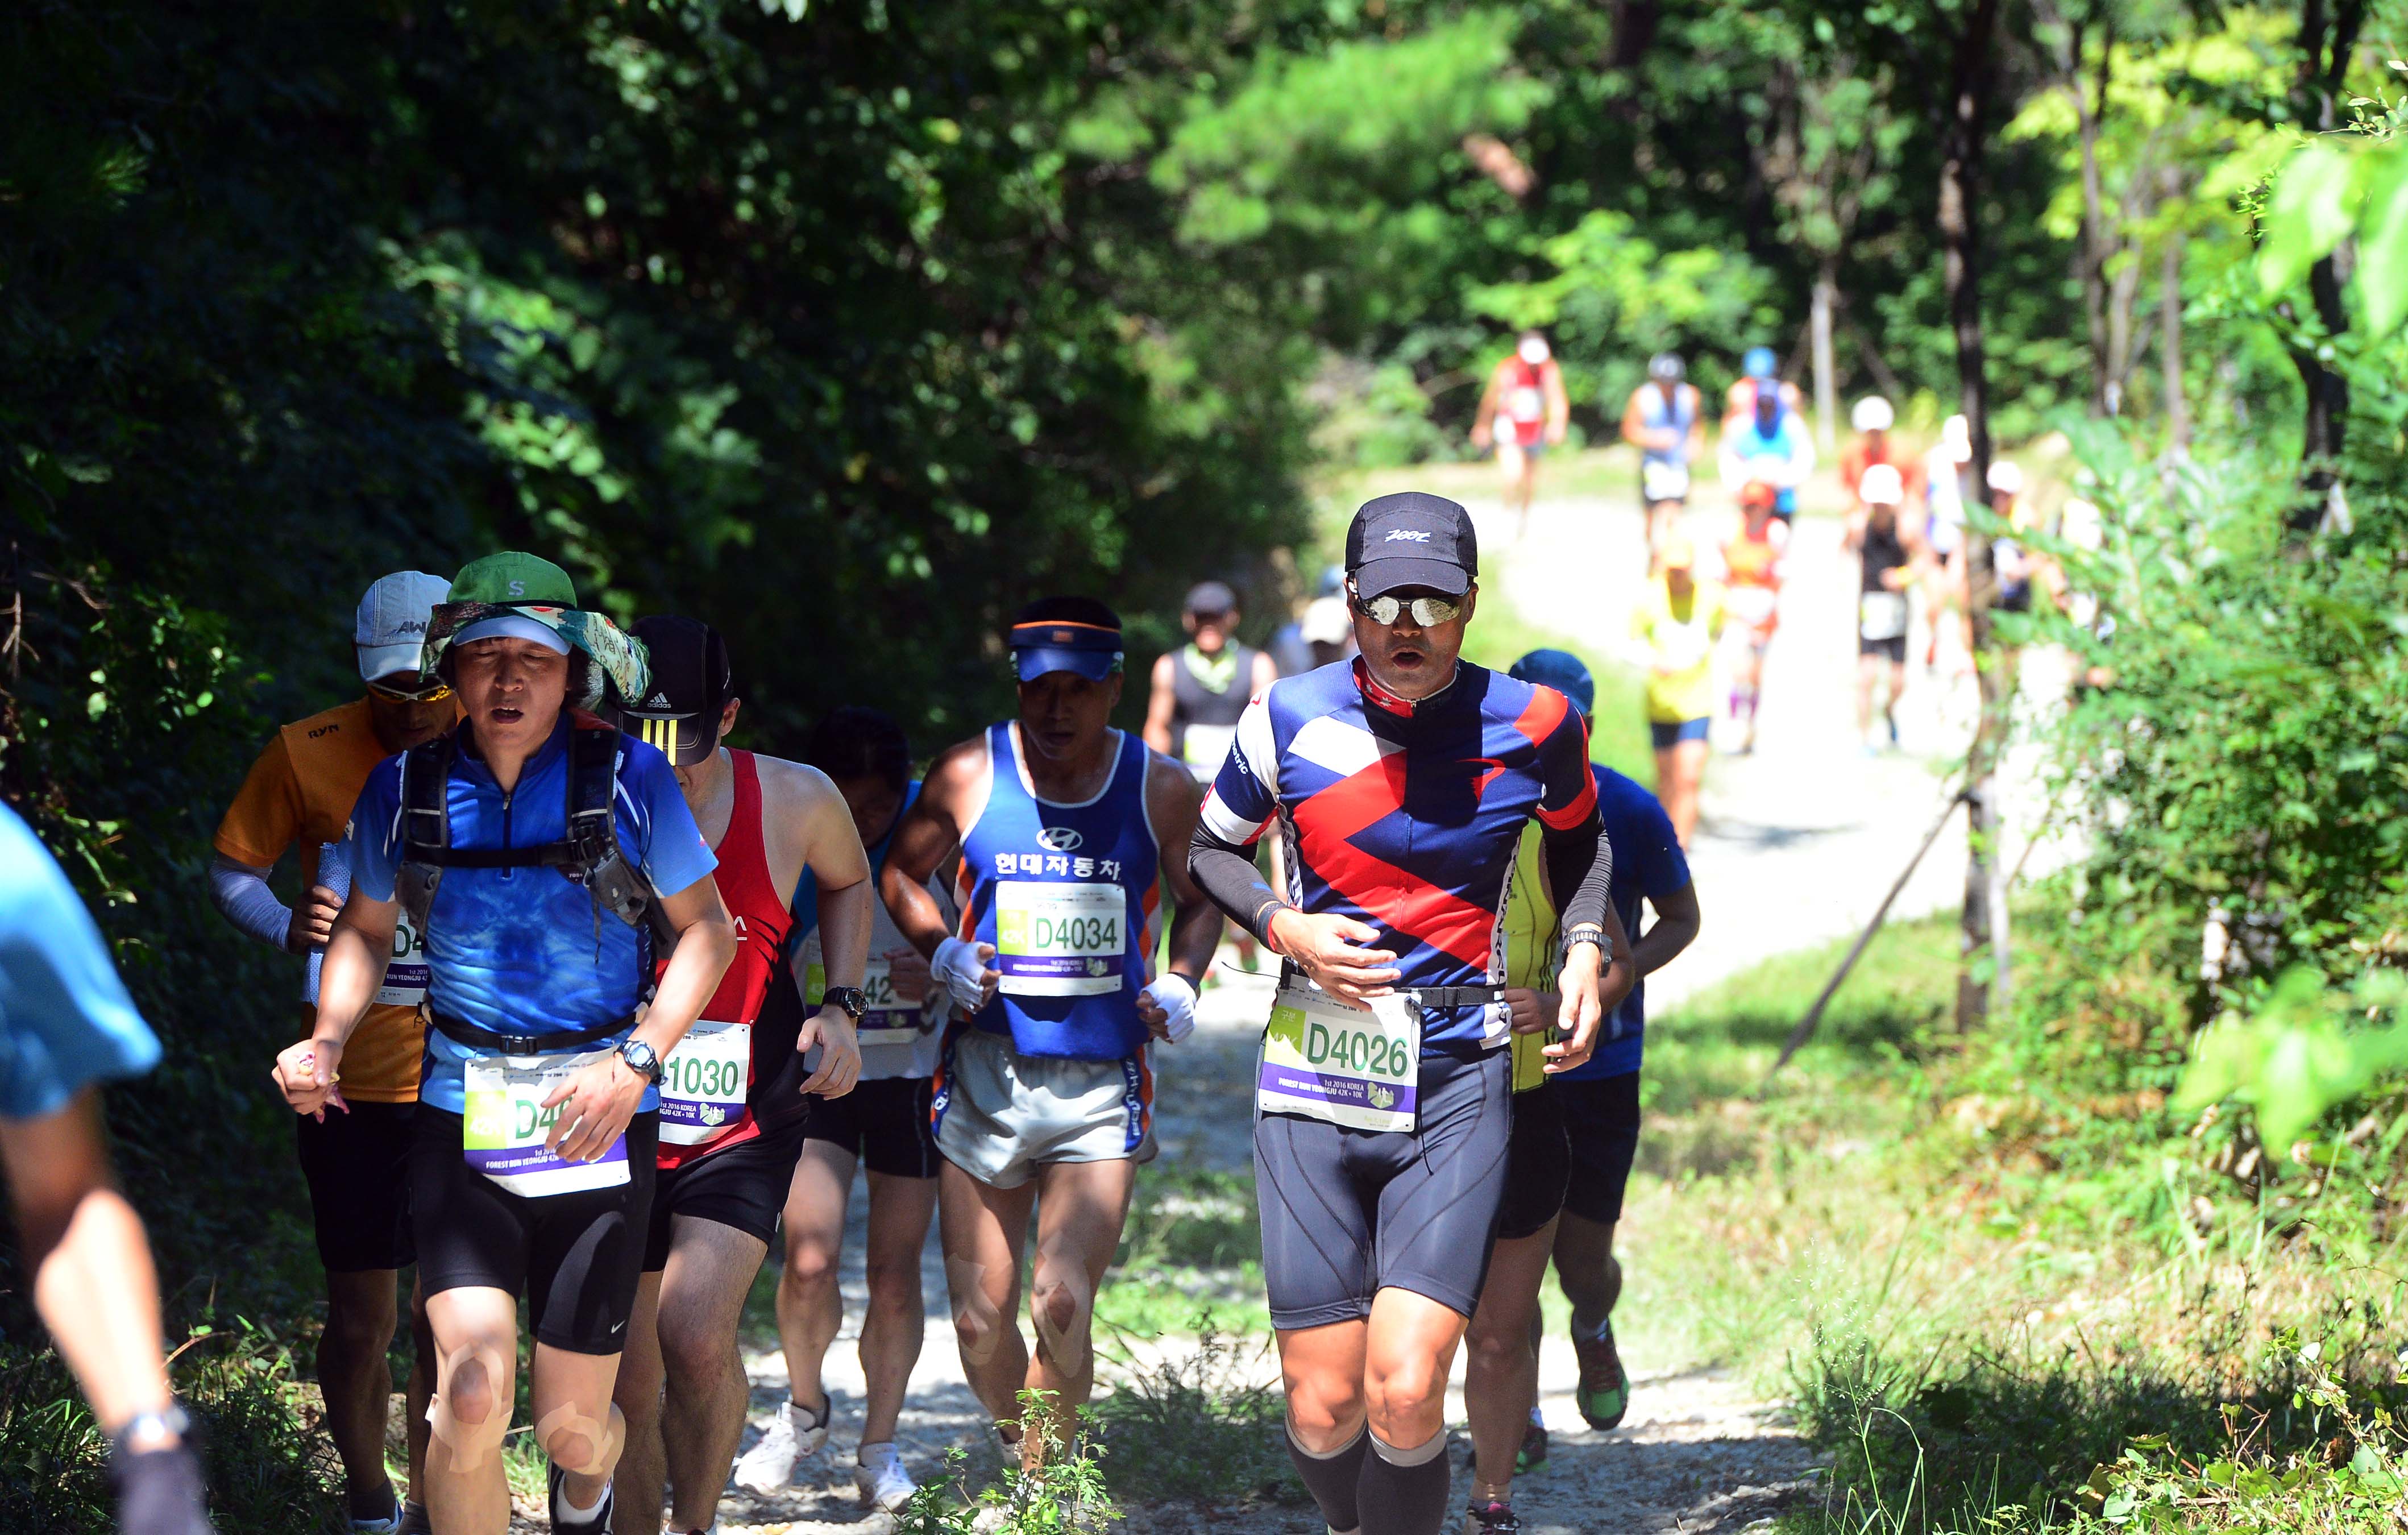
x,y
1406,815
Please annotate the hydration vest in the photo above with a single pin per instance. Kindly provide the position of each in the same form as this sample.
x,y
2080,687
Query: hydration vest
x,y
588,855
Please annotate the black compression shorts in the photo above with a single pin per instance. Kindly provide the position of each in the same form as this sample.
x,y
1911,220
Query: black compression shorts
x,y
1537,1165
743,1185
575,1257
1346,1212
1601,1127
884,1122
1893,648
357,1165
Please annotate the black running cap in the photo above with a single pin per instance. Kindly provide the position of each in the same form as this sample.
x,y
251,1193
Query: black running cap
x,y
692,682
1411,539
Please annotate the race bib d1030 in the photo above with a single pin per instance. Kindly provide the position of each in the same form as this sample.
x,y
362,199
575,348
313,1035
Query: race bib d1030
x,y
704,1081
1326,1060
1060,940
503,1133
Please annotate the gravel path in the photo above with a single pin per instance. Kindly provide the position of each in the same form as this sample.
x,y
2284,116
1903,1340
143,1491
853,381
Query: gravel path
x,y
1796,846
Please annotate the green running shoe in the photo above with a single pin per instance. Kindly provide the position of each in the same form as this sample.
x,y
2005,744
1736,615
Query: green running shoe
x,y
1603,1395
1531,1458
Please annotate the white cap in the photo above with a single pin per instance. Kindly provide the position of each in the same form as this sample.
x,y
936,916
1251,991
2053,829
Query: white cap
x,y
390,629
1956,436
1325,621
1881,486
2006,476
1534,350
1872,414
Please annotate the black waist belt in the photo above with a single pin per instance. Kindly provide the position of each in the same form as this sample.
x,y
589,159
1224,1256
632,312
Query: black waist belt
x,y
461,1032
1456,997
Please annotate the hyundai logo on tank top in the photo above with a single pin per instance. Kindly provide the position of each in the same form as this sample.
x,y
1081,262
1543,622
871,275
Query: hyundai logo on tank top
x,y
1070,897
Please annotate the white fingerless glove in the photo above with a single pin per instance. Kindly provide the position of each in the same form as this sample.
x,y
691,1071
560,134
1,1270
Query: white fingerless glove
x,y
955,965
1172,994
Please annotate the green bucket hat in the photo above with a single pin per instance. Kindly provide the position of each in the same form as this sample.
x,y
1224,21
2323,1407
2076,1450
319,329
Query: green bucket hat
x,y
532,587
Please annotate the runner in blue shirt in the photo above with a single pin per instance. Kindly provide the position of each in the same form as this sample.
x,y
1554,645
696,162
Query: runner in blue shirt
x,y
544,857
1573,1138
66,1025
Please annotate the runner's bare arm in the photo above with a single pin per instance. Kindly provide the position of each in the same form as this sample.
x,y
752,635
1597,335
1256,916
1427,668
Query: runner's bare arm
x,y
1635,430
1676,927
931,834
1159,703
1559,402
831,850
1172,799
1482,418
309,1071
1266,673
1697,420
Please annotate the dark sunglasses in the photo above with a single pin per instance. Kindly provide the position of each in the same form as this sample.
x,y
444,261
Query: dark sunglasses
x,y
430,690
1426,611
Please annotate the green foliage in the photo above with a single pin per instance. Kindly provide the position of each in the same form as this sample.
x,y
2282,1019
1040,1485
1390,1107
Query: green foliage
x,y
2298,1055
1065,1492
1205,1423
2335,188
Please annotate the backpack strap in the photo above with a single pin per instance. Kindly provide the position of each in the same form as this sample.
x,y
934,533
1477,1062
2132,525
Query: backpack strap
x,y
596,859
426,826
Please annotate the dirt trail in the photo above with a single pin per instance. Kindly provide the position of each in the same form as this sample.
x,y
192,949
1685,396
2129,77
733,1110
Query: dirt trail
x,y
1796,846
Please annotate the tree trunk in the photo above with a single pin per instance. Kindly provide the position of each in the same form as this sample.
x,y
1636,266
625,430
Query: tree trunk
x,y
1826,388
2104,395
2169,336
1963,140
2325,48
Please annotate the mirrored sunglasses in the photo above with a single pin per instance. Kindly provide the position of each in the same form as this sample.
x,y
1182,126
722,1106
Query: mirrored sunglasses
x,y
430,690
1426,611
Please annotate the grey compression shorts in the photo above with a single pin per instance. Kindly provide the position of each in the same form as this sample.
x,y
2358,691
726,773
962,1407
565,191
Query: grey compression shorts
x,y
1347,1211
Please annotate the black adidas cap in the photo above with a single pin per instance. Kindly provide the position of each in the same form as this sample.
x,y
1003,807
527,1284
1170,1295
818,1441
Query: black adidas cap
x,y
692,682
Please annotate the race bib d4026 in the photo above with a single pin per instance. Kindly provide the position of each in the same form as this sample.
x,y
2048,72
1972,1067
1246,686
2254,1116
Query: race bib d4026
x,y
1055,938
1324,1060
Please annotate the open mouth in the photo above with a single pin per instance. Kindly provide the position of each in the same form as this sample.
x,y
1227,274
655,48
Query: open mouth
x,y
504,714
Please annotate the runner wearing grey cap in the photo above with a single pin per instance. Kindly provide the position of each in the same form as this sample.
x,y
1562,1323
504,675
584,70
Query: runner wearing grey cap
x,y
298,797
1199,690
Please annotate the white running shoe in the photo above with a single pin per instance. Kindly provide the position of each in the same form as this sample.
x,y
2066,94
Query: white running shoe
x,y
883,1481
769,1466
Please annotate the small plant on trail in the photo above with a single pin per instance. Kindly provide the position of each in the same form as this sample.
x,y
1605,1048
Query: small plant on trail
x,y
1203,1425
1064,1492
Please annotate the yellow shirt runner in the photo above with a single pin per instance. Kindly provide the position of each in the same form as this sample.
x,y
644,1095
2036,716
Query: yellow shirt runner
x,y
1679,636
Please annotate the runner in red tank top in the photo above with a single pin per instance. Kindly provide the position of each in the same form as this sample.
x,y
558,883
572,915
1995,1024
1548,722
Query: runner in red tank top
x,y
1524,411
733,1092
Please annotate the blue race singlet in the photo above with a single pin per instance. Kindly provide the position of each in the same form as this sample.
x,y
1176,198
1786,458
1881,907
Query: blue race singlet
x,y
1070,895
1657,408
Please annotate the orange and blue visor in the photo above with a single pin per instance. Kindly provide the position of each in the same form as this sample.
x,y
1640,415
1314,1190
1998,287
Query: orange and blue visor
x,y
1091,649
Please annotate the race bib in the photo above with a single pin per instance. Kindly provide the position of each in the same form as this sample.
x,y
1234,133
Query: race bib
x,y
1055,939
703,1083
1882,616
1679,647
888,1020
1323,1059
405,973
504,1131
1750,605
1662,482
1206,746
1526,403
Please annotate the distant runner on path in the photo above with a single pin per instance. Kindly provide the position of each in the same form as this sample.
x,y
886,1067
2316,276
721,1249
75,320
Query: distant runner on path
x,y
1524,411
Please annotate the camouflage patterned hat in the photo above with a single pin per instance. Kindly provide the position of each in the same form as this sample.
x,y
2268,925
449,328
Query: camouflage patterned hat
x,y
529,587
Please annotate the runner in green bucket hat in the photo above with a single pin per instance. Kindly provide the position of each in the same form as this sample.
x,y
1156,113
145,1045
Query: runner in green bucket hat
x,y
528,595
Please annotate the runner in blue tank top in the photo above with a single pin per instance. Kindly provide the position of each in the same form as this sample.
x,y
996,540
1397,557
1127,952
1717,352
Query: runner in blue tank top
x,y
1044,1092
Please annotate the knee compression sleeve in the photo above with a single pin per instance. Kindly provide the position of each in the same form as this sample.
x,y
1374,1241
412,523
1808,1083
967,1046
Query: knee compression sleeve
x,y
1404,1491
477,1372
976,1321
579,1443
1333,1477
1061,1286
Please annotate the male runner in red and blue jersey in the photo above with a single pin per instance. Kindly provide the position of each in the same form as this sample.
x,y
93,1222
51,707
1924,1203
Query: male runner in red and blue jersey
x,y
1402,782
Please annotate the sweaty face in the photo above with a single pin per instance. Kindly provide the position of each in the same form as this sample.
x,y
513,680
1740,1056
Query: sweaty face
x,y
874,803
1062,714
512,690
1407,659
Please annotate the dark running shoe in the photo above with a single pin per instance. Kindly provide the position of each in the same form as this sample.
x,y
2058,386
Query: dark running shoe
x,y
598,1523
1491,1519
1604,1392
1532,1458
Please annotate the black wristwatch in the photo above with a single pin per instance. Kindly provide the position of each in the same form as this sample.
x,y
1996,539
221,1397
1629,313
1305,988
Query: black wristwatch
x,y
852,999
643,1060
